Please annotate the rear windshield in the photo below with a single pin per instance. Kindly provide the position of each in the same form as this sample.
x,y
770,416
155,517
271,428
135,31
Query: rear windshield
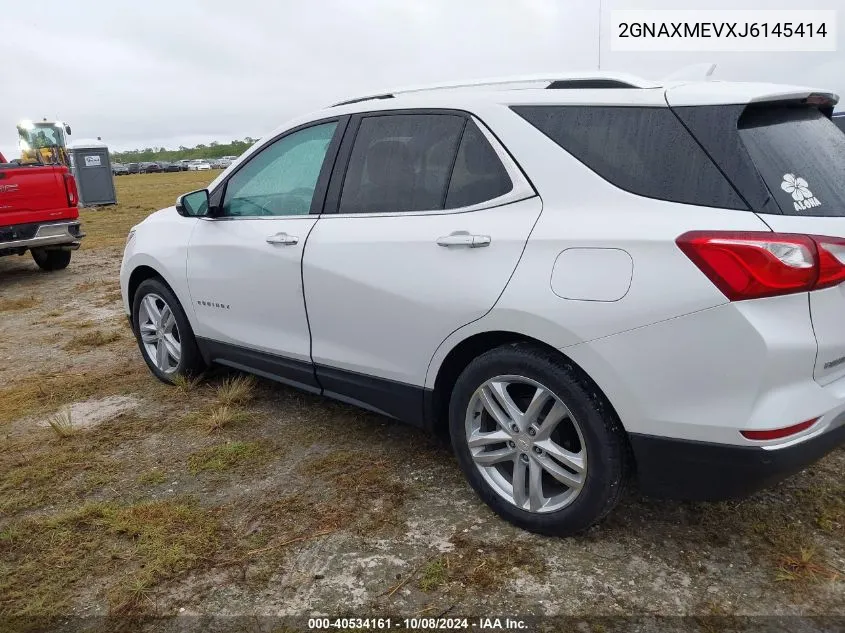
x,y
800,154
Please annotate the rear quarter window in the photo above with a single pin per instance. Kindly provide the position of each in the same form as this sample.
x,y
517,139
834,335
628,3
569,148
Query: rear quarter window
x,y
478,175
646,151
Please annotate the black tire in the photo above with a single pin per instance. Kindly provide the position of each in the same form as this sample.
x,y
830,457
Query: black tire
x,y
604,439
191,362
51,259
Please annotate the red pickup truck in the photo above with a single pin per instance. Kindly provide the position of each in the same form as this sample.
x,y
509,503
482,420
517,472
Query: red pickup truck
x,y
38,213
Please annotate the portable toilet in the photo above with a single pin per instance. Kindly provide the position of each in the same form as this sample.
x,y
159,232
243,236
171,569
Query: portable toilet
x,y
89,161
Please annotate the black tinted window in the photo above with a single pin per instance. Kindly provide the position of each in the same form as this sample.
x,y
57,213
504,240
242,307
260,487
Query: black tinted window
x,y
800,154
643,150
479,174
401,162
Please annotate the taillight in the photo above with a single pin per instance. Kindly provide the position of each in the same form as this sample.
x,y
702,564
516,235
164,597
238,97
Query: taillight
x,y
754,264
831,261
71,190
777,434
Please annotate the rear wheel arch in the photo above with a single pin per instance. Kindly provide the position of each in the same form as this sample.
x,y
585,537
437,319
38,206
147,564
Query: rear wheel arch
x,y
474,346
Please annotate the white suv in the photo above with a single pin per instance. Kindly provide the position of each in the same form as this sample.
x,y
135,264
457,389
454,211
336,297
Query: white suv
x,y
586,280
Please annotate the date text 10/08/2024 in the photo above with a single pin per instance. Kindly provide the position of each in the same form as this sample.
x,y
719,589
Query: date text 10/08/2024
x,y
427,624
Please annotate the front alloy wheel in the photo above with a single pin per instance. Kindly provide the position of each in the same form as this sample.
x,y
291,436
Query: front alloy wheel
x,y
526,443
159,333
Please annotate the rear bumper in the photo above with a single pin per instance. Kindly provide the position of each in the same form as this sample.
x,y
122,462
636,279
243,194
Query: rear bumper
x,y
47,234
701,471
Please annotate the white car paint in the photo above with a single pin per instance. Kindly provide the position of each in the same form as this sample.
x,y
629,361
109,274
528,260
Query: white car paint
x,y
375,295
230,262
592,274
387,270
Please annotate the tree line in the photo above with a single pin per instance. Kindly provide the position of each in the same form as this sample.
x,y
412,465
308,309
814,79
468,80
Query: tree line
x,y
212,150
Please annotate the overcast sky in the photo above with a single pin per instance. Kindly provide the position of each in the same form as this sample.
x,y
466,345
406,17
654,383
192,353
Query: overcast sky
x,y
181,72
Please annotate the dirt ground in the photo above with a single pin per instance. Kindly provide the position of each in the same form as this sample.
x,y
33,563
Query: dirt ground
x,y
119,495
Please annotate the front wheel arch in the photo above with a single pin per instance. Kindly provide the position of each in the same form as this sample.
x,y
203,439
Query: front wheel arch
x,y
140,274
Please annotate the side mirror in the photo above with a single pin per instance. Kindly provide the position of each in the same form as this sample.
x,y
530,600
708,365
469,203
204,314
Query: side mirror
x,y
194,204
67,129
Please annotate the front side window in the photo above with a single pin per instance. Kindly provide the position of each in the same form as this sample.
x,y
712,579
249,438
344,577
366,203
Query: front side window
x,y
281,179
401,162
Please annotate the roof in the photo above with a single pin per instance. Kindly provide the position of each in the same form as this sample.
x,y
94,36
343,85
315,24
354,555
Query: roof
x,y
690,86
589,79
87,143
585,88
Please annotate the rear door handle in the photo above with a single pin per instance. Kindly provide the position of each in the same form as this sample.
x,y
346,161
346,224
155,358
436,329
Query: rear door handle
x,y
464,238
283,238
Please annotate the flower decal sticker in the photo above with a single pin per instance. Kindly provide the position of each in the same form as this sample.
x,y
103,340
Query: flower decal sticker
x,y
802,198
797,186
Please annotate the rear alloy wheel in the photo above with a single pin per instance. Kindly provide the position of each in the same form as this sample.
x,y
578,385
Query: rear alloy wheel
x,y
51,259
163,332
536,440
526,444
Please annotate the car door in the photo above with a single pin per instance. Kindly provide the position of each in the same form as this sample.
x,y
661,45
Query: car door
x,y
244,262
430,218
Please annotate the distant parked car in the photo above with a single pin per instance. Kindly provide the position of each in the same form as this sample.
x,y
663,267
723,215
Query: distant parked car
x,y
169,167
150,168
220,163
183,164
134,168
199,165
119,169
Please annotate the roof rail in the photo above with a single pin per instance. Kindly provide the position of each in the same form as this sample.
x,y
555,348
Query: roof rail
x,y
584,80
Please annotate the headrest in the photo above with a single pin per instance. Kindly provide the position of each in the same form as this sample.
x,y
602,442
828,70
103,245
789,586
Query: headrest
x,y
386,158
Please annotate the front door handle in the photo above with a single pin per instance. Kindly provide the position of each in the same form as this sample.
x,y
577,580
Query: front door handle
x,y
464,238
283,238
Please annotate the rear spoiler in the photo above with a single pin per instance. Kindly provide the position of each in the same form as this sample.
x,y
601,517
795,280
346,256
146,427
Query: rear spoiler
x,y
738,93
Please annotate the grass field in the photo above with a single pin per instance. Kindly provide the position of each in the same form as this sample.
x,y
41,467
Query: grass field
x,y
138,195
233,495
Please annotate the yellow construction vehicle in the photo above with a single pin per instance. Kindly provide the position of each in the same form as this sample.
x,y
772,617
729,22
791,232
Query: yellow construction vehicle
x,y
44,142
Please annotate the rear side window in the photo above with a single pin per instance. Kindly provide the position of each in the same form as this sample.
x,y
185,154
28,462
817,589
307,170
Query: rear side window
x,y
800,154
645,151
401,162
479,175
